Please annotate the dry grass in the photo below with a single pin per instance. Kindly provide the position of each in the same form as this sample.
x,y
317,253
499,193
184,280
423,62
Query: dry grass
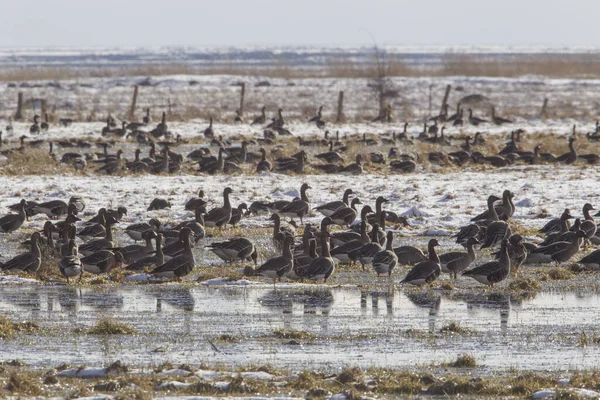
x,y
454,327
9,328
293,334
560,274
108,326
31,162
463,361
525,284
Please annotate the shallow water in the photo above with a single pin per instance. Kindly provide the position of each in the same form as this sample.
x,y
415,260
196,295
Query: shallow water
x,y
394,328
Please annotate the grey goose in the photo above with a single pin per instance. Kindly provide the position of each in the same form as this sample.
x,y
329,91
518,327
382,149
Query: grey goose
x,y
329,208
180,265
558,251
102,261
195,202
27,262
158,258
12,222
425,271
135,231
321,267
278,267
345,215
237,214
220,216
367,251
135,252
386,260
70,264
494,271
517,252
342,253
235,249
455,262
298,208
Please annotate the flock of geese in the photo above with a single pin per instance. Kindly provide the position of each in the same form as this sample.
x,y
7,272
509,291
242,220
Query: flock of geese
x,y
279,150
345,235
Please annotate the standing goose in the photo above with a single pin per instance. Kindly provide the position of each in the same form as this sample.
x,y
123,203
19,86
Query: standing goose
x,y
278,267
455,262
264,165
53,208
234,249
346,215
320,267
44,126
281,231
386,260
209,133
517,252
196,225
70,265
35,128
298,208
425,271
156,259
237,214
507,208
101,262
342,253
367,251
499,120
588,225
195,202
304,259
220,216
180,265
571,156
493,271
28,262
329,208
467,232
564,228
262,118
96,229
330,156
558,251
135,252
12,222
319,115
146,120
474,120
376,217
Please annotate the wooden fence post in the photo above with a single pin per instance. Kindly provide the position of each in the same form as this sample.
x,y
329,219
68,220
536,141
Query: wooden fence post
x,y
43,106
19,113
543,114
340,108
445,101
133,102
242,95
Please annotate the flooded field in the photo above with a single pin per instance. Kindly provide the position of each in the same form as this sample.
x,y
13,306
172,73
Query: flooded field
x,y
327,327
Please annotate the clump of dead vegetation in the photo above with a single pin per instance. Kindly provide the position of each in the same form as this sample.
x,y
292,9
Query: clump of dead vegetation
x,y
454,327
9,328
109,326
293,334
525,284
560,274
463,361
31,162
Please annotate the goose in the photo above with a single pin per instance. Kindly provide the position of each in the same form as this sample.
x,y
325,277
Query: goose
x,y
195,202
469,231
112,166
44,125
551,226
517,252
493,271
455,262
409,255
259,208
135,252
433,129
592,260
564,228
35,128
571,156
386,260
209,133
264,165
27,262
156,259
342,252
101,262
161,129
12,222
220,216
298,208
53,208
474,120
278,267
588,225
456,115
346,215
319,115
70,265
146,120
329,208
459,121
196,224
180,265
321,267
135,231
365,253
239,119
282,227
354,168
234,249
495,232
294,164
158,204
330,156
507,208
376,217
499,120
531,157
557,251
425,271
137,166
304,259
102,243
262,118
237,214
403,166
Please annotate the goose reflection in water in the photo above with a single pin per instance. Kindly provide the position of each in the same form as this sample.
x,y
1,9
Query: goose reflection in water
x,y
179,298
429,301
376,295
311,300
496,300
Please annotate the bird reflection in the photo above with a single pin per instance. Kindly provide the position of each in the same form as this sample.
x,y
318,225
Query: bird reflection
x,y
102,300
180,298
428,300
496,300
68,298
376,295
311,300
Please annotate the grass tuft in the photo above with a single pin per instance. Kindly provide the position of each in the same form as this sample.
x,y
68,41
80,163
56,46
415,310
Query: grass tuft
x,y
525,284
454,327
293,334
463,361
560,274
108,326
9,328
